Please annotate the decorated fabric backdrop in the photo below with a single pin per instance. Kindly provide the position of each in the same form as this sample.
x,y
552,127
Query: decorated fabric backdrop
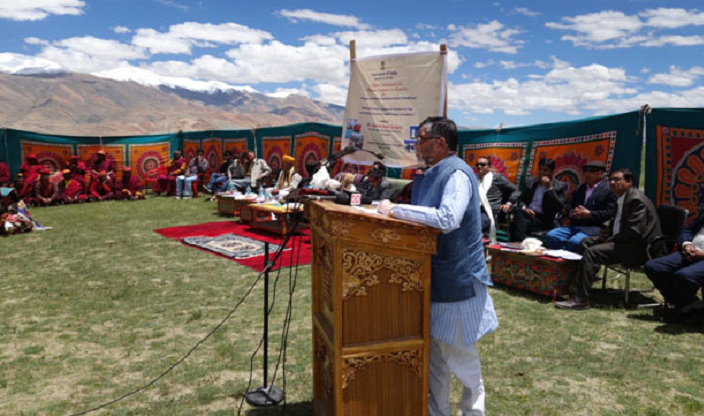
x,y
675,158
236,146
52,156
190,148
147,157
115,153
274,150
213,154
515,152
310,147
507,159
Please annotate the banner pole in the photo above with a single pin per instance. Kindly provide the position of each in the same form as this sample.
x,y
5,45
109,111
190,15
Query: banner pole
x,y
443,51
353,50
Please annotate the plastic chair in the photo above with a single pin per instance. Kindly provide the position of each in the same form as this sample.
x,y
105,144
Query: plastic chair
x,y
672,219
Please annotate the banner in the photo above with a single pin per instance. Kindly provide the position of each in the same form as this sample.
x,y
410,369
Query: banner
x,y
675,158
388,97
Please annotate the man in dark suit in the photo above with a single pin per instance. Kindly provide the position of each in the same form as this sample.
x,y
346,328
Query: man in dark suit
x,y
539,203
501,194
587,210
636,224
679,275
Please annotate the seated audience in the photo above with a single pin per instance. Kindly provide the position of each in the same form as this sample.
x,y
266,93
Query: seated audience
x,y
101,189
500,194
586,212
197,166
167,183
404,197
102,164
375,185
46,192
4,175
255,171
70,189
220,177
625,242
129,187
18,184
679,275
541,200
288,179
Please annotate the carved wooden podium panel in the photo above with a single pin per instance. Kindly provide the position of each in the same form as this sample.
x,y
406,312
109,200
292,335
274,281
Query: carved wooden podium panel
x,y
371,300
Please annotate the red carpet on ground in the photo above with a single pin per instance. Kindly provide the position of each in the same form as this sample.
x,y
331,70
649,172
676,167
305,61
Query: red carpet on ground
x,y
299,245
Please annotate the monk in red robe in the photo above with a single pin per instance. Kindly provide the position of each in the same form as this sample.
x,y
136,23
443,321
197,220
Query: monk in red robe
x,y
167,183
30,170
101,189
129,187
70,189
46,191
4,175
78,171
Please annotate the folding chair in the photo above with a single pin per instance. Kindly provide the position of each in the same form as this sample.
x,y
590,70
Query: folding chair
x,y
672,219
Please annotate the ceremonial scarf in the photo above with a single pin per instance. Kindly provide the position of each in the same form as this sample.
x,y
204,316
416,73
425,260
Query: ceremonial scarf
x,y
484,184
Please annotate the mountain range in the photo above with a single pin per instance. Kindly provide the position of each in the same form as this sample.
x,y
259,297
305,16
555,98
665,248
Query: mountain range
x,y
135,102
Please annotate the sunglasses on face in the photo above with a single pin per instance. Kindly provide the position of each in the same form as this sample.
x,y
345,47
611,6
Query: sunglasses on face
x,y
481,165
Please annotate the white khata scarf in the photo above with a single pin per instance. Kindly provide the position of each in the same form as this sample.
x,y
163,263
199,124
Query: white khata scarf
x,y
484,185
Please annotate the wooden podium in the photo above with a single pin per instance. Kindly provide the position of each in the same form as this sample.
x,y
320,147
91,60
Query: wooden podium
x,y
371,309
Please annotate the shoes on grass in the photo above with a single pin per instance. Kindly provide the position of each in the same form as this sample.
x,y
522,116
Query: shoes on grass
x,y
573,303
178,197
186,197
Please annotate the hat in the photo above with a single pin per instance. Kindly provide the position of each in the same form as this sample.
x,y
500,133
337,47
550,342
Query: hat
x,y
102,152
126,169
66,171
288,159
32,156
595,164
43,171
102,174
73,157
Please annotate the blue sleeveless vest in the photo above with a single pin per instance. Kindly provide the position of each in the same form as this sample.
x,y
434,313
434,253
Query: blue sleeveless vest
x,y
459,261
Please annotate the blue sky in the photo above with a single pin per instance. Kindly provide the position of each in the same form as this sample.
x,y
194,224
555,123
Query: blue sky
x,y
511,62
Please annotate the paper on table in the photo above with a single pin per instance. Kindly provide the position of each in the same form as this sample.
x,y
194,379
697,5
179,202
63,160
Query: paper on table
x,y
563,254
367,210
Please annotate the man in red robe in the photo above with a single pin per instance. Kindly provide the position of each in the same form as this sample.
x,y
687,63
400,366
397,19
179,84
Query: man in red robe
x,y
4,175
78,170
129,187
71,190
46,191
101,189
30,170
167,183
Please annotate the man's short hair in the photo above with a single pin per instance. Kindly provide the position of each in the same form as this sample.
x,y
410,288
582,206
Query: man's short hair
x,y
381,167
547,162
488,159
442,127
199,151
627,174
228,152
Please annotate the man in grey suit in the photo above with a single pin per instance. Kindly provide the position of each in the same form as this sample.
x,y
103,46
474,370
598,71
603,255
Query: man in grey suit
x,y
626,241
500,193
542,198
255,171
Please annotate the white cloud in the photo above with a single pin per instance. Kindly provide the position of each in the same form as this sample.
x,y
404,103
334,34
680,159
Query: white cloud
x,y
16,64
678,77
425,26
526,12
327,18
182,37
89,54
121,29
514,65
330,93
563,89
170,3
285,92
611,29
23,10
373,39
493,36
484,64
35,41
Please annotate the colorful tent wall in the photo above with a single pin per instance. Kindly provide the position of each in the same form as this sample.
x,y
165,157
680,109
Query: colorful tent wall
x,y
675,158
515,152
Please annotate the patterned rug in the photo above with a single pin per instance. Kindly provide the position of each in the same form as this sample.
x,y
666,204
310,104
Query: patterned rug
x,y
231,245
247,246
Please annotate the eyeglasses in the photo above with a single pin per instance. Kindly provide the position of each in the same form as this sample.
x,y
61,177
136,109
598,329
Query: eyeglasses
x,y
425,138
481,165
616,179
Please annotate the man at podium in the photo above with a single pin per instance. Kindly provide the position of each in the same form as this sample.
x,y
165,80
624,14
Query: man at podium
x,y
461,311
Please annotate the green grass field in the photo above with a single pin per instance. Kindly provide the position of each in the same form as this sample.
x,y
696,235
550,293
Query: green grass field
x,y
101,305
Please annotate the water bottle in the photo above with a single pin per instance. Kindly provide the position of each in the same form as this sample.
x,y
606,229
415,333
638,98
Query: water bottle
x,y
261,198
269,197
249,190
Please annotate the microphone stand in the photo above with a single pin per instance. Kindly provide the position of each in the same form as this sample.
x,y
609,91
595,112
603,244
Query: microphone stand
x,y
266,395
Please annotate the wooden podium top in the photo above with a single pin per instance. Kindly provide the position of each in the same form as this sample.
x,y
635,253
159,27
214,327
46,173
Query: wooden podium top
x,y
351,223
